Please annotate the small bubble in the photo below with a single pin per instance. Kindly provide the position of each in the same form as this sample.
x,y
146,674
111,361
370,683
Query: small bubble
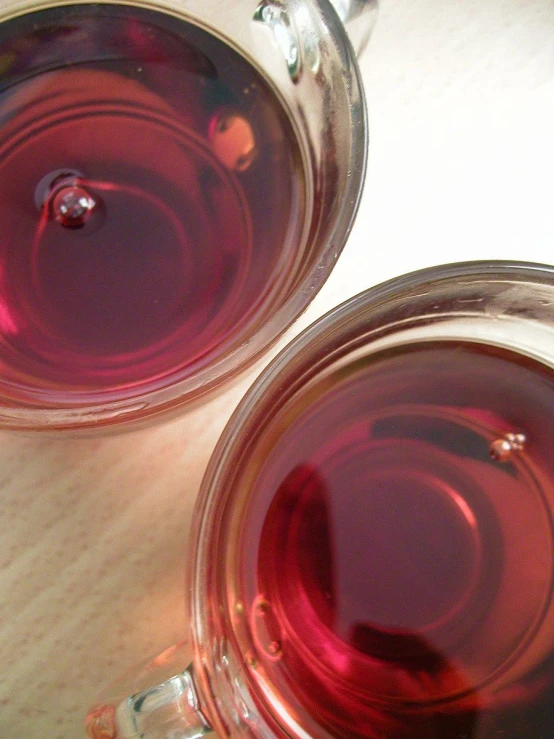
x,y
274,648
502,449
72,205
251,660
517,441
266,629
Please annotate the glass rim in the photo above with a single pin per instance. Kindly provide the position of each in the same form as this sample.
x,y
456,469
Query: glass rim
x,y
114,409
276,371
366,300
216,494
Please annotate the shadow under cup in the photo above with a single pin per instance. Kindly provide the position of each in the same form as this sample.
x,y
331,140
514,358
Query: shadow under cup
x,y
377,520
173,193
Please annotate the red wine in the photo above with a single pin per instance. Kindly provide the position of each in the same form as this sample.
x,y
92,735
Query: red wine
x,y
398,547
151,199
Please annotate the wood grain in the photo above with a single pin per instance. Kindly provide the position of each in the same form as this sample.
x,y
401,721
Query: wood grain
x,y
93,532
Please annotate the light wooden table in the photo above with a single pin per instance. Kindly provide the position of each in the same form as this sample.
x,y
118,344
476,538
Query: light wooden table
x,y
93,533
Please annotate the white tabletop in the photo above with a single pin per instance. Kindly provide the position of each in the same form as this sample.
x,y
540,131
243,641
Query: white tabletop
x,y
93,533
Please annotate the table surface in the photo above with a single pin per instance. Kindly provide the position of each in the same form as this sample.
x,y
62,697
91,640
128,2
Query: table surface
x,y
93,533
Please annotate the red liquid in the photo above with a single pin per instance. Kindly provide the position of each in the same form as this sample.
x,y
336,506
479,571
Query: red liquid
x,y
401,529
194,177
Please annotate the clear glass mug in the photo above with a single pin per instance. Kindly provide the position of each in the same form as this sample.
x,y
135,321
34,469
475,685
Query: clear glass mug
x,y
177,180
372,552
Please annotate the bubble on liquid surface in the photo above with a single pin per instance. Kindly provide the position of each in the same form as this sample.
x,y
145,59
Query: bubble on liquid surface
x,y
274,648
251,660
64,193
72,206
266,630
262,606
501,449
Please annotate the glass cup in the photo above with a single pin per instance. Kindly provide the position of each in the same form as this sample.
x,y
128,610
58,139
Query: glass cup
x,y
177,180
372,552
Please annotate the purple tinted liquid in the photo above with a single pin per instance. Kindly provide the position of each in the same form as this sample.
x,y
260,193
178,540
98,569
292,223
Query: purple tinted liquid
x,y
401,533
197,186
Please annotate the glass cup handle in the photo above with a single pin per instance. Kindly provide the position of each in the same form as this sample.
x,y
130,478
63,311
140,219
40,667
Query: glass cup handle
x,y
167,707
358,18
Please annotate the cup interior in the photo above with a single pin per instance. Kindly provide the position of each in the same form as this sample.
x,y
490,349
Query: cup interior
x,y
208,224
384,501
